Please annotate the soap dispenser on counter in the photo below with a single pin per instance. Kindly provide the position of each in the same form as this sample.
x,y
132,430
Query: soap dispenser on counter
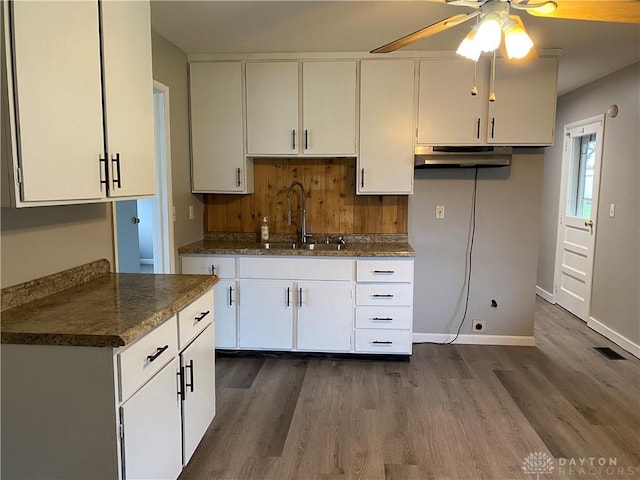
x,y
264,230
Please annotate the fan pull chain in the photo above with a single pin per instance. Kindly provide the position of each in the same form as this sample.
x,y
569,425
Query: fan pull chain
x,y
492,95
474,89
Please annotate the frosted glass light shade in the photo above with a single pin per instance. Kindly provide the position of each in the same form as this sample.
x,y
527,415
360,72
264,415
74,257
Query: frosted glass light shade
x,y
517,42
469,47
489,33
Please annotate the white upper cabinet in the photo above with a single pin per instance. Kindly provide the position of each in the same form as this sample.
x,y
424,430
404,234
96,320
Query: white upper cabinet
x,y
329,108
54,97
217,142
323,123
57,101
448,114
522,114
525,106
128,97
385,162
272,108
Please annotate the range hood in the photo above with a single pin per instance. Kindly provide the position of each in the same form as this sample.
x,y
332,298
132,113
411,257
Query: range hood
x,y
479,156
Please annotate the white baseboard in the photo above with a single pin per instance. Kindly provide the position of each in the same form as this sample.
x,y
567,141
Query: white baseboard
x,y
614,336
466,339
543,294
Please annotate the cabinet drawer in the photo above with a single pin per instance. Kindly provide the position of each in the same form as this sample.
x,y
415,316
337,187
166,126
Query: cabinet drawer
x,y
141,360
384,294
384,317
384,271
383,341
223,267
193,318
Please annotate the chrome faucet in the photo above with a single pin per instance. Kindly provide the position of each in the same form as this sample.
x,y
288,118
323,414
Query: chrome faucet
x,y
303,227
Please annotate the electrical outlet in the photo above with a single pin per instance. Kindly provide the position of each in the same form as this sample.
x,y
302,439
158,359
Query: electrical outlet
x,y
612,210
439,212
478,326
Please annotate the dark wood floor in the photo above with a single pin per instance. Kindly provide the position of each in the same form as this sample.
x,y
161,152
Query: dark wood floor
x,y
452,412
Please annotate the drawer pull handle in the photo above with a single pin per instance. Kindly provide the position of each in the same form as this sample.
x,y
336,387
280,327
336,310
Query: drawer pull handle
x,y
387,272
181,393
378,342
382,319
190,367
380,295
202,315
159,351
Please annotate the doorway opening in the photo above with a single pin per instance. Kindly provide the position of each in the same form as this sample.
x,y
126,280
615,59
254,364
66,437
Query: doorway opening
x,y
144,227
579,189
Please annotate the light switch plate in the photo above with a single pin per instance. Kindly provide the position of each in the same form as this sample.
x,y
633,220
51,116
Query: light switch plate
x,y
612,210
191,214
439,212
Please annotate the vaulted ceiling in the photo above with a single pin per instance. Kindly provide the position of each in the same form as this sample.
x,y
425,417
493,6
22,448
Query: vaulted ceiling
x,y
590,50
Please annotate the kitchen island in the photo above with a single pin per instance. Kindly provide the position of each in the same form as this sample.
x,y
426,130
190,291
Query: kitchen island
x,y
106,375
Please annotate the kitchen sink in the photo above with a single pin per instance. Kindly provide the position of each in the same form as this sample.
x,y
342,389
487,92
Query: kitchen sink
x,y
322,247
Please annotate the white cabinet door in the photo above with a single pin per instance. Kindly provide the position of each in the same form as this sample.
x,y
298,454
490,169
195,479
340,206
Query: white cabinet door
x,y
272,108
56,61
525,106
126,31
329,108
217,140
152,428
199,405
265,314
225,309
448,114
385,162
325,316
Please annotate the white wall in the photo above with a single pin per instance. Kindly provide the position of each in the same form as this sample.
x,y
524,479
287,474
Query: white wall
x,y
615,301
170,68
504,253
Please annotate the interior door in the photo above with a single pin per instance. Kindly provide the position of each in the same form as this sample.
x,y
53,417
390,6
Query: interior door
x,y
127,222
581,159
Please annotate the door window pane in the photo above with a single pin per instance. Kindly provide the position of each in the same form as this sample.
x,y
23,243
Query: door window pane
x,y
582,176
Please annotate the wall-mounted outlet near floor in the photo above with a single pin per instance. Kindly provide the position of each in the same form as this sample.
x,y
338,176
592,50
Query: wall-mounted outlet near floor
x,y
439,212
478,326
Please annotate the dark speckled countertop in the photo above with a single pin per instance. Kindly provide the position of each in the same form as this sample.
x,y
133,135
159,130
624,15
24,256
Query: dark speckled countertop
x,y
111,310
357,245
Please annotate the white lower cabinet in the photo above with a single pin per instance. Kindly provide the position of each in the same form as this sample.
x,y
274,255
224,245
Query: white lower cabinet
x,y
266,314
151,428
325,316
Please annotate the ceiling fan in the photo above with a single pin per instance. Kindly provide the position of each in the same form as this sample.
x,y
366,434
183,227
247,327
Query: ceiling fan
x,y
493,20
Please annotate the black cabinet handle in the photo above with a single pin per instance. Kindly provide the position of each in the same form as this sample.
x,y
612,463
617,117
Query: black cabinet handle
x,y
230,296
202,315
116,178
306,139
190,368
159,351
362,178
388,272
238,183
382,319
493,126
300,297
377,342
288,296
380,295
104,171
213,269
181,393
293,139
478,128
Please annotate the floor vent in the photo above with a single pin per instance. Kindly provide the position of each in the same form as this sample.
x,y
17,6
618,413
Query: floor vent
x,y
609,353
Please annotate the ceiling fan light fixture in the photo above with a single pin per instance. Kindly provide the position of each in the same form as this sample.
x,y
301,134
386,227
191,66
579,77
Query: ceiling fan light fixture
x,y
544,8
469,47
489,33
516,40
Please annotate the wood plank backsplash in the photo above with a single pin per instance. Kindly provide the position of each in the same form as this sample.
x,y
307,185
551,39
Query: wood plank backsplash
x,y
332,203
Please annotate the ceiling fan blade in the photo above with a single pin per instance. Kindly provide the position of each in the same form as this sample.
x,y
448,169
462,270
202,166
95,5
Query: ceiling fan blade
x,y
530,57
622,11
425,32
